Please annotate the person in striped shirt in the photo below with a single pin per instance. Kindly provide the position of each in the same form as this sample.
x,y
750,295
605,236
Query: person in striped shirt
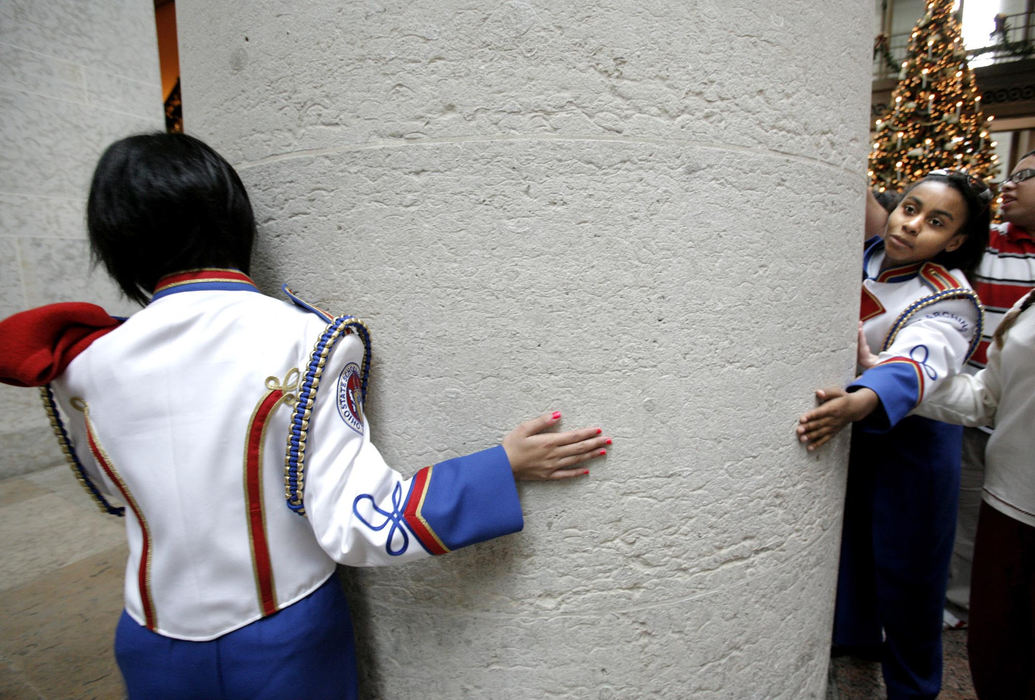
x,y
1004,275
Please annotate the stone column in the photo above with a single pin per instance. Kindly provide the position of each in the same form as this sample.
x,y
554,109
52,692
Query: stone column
x,y
647,215
76,76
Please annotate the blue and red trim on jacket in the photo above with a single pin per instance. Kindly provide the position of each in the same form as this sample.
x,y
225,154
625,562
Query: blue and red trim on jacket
x,y
449,505
462,501
206,279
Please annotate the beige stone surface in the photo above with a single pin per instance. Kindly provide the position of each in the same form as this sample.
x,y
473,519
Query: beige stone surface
x,y
26,440
28,216
56,269
77,75
12,296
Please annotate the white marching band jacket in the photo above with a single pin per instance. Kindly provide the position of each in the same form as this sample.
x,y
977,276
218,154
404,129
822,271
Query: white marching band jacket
x,y
922,321
230,428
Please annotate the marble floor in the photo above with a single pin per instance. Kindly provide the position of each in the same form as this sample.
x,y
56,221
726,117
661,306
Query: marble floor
x,y
62,589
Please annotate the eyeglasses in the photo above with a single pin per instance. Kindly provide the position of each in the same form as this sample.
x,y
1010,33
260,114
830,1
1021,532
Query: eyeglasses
x,y
1019,177
978,188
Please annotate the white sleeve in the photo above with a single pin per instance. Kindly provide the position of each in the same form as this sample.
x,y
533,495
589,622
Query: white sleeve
x,y
362,511
966,399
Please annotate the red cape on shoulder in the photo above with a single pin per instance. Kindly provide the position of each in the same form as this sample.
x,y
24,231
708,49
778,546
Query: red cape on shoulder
x,y
37,345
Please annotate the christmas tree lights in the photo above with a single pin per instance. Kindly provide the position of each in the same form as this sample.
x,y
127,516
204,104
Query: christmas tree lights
x,y
935,120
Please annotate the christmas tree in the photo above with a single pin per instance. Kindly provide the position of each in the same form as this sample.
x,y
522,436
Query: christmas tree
x,y
935,119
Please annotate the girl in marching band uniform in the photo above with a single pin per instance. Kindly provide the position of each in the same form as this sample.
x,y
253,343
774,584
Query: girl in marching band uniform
x,y
228,427
919,311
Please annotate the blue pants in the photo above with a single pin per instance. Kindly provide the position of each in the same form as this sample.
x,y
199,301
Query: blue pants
x,y
900,519
303,651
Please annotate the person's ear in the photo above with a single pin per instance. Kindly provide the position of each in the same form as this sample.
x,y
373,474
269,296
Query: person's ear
x,y
955,242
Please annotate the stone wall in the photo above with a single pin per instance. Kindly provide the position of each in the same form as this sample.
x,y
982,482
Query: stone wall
x,y
77,76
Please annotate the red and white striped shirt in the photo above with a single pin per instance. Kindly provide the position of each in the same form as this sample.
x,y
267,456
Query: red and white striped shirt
x,y
1005,274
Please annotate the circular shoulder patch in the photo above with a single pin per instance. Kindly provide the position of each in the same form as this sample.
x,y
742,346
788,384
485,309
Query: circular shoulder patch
x,y
349,407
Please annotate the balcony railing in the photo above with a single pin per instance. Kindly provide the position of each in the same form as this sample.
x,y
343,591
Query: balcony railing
x,y
1012,38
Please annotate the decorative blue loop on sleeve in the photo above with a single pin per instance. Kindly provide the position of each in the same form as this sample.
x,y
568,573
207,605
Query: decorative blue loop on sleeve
x,y
915,355
395,517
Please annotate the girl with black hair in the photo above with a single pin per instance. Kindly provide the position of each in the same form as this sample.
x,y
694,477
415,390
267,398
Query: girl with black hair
x,y
918,309
1000,641
228,427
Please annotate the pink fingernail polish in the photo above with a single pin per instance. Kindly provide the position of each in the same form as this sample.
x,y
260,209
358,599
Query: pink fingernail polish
x,y
586,472
608,441
599,430
602,452
556,415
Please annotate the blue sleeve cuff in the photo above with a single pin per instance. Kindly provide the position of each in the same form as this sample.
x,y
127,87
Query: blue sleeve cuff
x,y
463,500
898,384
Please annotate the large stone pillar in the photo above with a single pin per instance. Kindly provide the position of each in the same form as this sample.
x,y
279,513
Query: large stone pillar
x,y
76,76
647,215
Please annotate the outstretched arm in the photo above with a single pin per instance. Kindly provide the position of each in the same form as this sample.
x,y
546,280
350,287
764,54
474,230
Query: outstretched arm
x,y
876,217
837,409
536,455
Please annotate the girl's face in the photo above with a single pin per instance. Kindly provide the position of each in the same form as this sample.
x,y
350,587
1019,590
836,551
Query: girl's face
x,y
1018,205
926,222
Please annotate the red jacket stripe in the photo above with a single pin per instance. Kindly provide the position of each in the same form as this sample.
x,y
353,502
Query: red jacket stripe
x,y
144,570
413,517
939,277
208,275
894,274
869,306
261,558
916,367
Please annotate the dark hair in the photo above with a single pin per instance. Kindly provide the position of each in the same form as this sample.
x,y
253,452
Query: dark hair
x,y
1029,153
977,196
161,203
888,199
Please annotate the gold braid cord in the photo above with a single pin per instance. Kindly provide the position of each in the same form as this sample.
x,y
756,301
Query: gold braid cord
x,y
47,396
294,459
